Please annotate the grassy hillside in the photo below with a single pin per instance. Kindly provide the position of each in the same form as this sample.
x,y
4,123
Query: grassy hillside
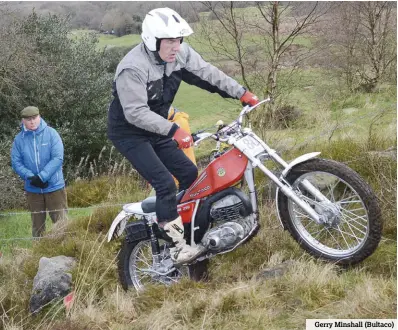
x,y
107,40
235,297
354,128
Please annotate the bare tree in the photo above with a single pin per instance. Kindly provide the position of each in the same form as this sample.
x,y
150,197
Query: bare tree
x,y
258,38
366,42
276,44
225,38
376,35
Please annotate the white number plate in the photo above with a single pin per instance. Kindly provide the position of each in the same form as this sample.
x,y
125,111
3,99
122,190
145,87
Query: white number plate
x,y
250,145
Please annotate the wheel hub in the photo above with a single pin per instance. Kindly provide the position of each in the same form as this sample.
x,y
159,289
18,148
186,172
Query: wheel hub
x,y
329,213
163,267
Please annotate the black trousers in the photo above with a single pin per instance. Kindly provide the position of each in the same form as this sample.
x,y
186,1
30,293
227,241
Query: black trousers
x,y
157,158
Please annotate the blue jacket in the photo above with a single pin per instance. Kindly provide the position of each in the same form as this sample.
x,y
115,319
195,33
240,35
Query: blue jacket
x,y
39,152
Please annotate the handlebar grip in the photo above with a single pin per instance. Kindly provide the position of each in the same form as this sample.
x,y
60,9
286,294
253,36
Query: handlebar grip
x,y
195,137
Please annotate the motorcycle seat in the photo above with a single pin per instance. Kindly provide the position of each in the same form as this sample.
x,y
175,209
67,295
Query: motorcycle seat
x,y
148,205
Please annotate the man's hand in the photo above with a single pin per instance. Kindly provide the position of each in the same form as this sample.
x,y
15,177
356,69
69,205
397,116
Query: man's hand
x,y
249,99
36,181
183,139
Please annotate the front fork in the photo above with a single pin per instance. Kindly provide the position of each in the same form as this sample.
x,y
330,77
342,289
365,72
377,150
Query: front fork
x,y
249,177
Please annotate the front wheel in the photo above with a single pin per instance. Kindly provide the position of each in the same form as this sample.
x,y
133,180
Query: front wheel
x,y
137,270
353,228
213,155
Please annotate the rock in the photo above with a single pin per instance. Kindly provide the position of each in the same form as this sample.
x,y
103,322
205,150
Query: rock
x,y
276,271
388,153
52,281
349,111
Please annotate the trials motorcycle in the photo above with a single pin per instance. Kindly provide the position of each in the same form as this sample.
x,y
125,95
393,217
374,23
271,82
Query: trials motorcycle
x,y
220,146
327,208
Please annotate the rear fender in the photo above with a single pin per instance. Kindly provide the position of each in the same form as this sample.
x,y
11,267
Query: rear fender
x,y
118,225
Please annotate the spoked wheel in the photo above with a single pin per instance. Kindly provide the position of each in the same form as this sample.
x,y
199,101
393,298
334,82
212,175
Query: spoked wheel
x,y
136,266
353,227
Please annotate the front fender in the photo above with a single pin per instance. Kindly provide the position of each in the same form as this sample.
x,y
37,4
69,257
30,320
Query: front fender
x,y
286,171
121,219
298,160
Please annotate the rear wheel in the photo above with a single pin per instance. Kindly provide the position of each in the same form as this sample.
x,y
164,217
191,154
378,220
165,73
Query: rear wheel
x,y
136,268
354,225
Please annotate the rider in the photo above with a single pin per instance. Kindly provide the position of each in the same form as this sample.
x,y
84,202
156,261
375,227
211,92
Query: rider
x,y
145,84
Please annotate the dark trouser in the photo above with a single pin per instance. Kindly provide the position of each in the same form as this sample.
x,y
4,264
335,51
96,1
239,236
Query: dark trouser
x,y
56,204
157,159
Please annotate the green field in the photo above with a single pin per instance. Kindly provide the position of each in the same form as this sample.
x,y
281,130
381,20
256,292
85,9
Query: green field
x,y
16,229
109,40
314,91
106,40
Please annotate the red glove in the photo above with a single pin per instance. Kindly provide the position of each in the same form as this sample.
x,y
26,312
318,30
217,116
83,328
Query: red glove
x,y
183,139
249,99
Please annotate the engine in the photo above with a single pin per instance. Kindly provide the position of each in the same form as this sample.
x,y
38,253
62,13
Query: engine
x,y
226,209
226,234
224,219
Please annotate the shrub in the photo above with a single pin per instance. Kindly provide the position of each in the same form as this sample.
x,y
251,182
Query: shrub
x,y
284,116
11,186
115,54
112,189
65,77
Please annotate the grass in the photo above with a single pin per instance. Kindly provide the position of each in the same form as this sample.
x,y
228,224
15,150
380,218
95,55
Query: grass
x,y
235,297
109,40
106,40
16,230
205,108
84,198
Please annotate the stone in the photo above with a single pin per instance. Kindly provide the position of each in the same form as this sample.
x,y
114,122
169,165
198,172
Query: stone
x,y
52,281
388,153
349,111
276,271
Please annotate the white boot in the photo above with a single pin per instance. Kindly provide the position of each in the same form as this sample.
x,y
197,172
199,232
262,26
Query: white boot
x,y
182,252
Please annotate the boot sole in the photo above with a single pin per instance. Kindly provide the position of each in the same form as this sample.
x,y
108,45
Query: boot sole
x,y
189,261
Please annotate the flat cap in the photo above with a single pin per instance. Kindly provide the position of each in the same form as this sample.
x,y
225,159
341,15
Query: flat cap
x,y
29,112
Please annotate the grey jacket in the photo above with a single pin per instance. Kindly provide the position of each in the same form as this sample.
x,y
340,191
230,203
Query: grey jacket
x,y
145,87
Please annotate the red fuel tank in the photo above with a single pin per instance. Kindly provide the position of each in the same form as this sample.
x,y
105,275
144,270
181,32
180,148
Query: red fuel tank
x,y
221,173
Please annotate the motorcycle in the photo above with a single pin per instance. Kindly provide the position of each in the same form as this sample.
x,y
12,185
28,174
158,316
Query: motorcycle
x,y
221,147
327,208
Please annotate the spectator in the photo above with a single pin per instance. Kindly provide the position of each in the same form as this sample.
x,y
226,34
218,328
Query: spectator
x,y
36,156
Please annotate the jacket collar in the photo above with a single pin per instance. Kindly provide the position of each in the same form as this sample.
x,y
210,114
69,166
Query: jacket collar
x,y
153,56
41,127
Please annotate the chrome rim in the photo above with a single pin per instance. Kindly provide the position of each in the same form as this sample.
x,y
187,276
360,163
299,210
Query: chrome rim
x,y
141,261
349,230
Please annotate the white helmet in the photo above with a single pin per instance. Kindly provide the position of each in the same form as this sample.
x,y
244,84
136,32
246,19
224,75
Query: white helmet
x,y
163,23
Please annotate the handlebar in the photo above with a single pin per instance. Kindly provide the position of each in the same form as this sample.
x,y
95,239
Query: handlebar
x,y
223,134
247,109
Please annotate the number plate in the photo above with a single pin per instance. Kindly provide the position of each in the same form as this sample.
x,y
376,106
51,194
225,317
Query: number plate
x,y
250,145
